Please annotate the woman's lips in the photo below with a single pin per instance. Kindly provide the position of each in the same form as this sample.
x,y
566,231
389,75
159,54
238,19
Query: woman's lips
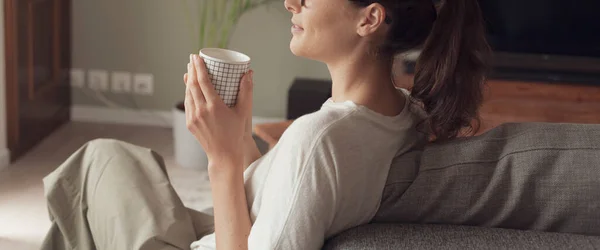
x,y
296,28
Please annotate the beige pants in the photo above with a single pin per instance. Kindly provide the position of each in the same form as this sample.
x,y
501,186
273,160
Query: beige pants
x,y
117,196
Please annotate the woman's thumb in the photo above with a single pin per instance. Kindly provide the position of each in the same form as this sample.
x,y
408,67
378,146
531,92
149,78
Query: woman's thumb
x,y
244,103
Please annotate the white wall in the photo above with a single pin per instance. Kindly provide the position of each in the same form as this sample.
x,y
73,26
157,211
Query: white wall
x,y
161,45
4,156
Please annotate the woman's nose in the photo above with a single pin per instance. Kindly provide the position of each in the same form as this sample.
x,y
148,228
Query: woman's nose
x,y
292,5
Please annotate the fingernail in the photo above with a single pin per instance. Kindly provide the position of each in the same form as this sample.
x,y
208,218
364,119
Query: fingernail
x,y
191,57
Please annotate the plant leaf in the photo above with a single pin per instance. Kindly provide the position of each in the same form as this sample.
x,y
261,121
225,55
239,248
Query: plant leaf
x,y
217,19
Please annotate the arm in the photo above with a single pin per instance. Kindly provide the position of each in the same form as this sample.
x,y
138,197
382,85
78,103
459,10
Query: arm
x,y
251,152
232,219
231,215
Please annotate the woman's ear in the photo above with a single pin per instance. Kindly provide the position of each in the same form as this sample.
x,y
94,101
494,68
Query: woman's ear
x,y
372,18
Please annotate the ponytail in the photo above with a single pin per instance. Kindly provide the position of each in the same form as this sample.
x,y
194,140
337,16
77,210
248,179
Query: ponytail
x,y
450,72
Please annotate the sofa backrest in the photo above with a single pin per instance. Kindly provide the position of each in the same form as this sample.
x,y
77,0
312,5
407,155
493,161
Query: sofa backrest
x,y
536,176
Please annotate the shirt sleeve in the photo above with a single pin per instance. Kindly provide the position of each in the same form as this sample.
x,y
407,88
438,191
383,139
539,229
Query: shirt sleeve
x,y
299,198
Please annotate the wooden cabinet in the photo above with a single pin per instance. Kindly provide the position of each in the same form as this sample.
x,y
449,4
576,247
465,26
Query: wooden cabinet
x,y
514,101
522,101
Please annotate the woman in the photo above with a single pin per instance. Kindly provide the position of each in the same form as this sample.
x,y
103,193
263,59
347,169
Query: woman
x,y
328,170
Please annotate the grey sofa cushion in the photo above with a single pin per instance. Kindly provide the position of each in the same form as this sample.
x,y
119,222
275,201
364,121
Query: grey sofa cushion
x,y
538,176
397,236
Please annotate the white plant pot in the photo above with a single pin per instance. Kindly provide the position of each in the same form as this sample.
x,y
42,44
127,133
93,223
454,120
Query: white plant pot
x,y
188,152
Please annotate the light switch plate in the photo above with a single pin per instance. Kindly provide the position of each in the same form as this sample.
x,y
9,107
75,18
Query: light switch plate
x,y
77,78
121,82
98,80
143,84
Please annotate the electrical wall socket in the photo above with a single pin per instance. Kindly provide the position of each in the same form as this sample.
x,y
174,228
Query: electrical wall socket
x,y
143,84
77,78
121,82
98,80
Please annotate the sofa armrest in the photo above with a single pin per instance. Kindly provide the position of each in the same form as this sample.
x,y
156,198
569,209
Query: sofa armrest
x,y
527,176
414,236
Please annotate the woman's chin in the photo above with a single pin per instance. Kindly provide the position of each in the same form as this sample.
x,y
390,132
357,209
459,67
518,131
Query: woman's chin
x,y
294,51
297,49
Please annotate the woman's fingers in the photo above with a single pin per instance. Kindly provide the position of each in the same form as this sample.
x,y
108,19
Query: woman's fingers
x,y
244,102
189,104
193,85
185,77
204,81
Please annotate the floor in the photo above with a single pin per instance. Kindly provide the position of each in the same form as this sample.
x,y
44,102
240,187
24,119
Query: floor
x,y
23,215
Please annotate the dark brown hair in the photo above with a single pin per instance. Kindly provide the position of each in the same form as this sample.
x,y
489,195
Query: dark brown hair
x,y
450,71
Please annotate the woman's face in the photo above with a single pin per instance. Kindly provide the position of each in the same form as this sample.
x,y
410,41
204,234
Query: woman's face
x,y
323,30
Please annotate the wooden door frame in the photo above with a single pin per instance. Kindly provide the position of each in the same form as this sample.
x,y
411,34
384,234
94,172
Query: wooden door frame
x,y
4,152
12,66
18,141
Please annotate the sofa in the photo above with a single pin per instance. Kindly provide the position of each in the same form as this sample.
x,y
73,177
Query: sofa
x,y
517,186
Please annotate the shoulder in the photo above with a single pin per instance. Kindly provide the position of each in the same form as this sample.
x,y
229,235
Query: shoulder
x,y
318,127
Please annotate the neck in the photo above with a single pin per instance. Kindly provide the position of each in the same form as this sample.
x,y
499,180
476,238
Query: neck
x,y
366,80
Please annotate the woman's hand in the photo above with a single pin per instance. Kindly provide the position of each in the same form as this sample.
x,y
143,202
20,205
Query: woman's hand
x,y
219,129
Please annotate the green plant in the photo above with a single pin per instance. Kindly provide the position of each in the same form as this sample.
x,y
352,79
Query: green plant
x,y
217,18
